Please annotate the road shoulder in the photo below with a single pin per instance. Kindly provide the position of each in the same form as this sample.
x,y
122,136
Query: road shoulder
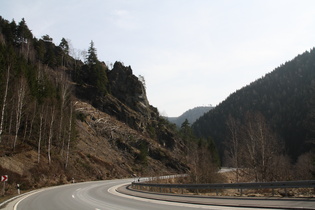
x,y
253,202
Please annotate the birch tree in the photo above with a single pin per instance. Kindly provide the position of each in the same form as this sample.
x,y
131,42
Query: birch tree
x,y
69,135
4,101
64,94
41,116
50,133
233,144
260,146
21,92
33,119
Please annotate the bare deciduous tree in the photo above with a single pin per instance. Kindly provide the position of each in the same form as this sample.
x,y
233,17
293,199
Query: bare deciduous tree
x,y
34,114
64,93
4,100
50,133
21,92
304,167
41,116
69,135
233,144
260,146
254,150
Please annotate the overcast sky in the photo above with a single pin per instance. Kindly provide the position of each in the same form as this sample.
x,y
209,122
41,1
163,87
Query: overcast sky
x,y
190,52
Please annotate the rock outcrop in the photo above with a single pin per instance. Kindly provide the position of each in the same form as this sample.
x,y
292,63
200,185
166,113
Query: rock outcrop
x,y
127,88
128,101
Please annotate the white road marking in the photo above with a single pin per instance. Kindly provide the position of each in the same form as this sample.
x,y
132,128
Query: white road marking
x,y
15,206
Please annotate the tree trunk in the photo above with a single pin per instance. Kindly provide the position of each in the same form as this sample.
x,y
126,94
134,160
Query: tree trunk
x,y
4,101
32,121
20,104
69,136
41,116
64,88
50,134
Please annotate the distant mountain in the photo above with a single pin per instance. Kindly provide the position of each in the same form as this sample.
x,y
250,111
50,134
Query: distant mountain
x,y
191,115
285,97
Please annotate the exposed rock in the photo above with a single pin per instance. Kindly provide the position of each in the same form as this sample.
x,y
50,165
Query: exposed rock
x,y
127,102
127,88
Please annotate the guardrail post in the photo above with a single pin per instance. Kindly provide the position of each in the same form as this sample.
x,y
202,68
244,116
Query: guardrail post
x,y
216,192
170,190
273,192
286,192
241,191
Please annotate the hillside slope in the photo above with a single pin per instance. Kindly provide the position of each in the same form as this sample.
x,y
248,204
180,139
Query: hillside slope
x,y
64,119
285,97
104,148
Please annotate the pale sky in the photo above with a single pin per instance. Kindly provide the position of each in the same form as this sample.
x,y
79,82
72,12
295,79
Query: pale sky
x,y
190,52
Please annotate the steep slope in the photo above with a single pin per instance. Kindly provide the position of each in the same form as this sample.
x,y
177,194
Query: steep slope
x,y
191,115
104,148
104,138
286,99
62,119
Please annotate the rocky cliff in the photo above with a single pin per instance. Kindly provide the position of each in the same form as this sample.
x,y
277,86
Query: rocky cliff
x,y
128,101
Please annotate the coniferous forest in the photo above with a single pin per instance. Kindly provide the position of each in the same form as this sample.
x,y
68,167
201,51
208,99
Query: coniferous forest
x,y
282,104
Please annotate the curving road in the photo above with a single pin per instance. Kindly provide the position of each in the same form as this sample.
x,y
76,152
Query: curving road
x,y
99,195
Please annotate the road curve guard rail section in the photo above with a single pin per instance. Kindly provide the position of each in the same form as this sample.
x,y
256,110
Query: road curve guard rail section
x,y
241,186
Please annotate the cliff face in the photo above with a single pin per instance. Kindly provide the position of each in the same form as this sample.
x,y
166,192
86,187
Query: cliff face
x,y
127,88
128,101
131,127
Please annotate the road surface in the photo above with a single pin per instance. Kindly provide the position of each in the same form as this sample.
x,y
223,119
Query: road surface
x,y
98,195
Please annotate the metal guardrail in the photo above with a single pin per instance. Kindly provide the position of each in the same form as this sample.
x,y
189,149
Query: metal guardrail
x,y
258,185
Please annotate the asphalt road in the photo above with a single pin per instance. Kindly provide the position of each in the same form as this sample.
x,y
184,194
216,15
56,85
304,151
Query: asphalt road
x,y
99,195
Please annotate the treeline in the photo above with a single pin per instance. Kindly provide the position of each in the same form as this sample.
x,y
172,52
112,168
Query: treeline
x,y
284,99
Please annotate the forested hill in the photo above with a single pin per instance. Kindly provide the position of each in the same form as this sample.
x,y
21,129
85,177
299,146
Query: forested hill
x,y
191,115
286,99
63,118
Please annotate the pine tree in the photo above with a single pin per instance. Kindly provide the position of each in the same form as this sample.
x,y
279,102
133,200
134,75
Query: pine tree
x,y
23,33
92,57
64,46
